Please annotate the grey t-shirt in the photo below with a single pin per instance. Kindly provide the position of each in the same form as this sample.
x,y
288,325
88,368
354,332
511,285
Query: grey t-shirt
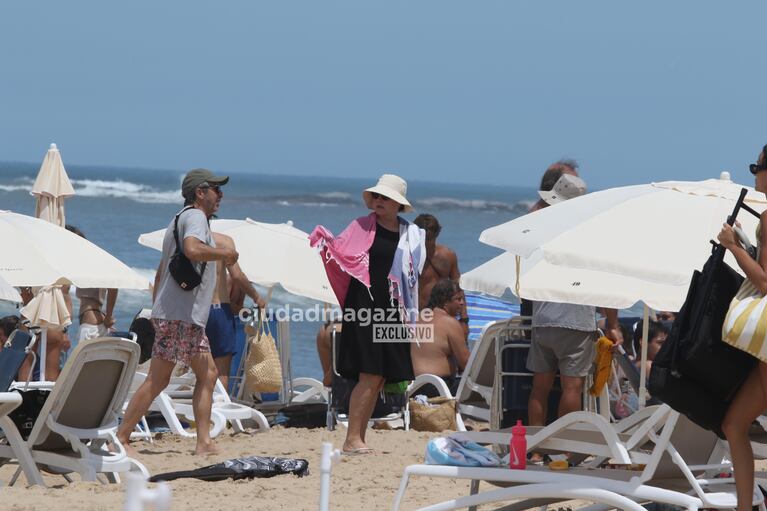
x,y
172,302
565,315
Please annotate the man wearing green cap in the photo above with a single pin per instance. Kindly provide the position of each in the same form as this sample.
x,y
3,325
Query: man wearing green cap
x,y
180,311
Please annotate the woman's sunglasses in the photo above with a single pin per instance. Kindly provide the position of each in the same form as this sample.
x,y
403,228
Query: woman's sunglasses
x,y
756,167
379,196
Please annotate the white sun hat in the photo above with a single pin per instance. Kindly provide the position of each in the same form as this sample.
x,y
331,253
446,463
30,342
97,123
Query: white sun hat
x,y
391,186
566,187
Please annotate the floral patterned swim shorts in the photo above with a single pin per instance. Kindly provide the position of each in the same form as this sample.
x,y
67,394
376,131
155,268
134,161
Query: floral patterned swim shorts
x,y
178,341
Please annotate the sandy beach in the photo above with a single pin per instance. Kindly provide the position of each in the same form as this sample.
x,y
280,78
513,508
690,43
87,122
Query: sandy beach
x,y
368,482
363,481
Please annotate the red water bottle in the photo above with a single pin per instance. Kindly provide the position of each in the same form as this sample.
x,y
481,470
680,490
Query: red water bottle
x,y
518,447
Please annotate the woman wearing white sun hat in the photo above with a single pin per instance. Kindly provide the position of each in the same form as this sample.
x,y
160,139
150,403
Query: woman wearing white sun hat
x,y
373,267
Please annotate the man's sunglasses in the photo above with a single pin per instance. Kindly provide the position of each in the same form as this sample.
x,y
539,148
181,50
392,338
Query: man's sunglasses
x,y
756,167
215,188
379,196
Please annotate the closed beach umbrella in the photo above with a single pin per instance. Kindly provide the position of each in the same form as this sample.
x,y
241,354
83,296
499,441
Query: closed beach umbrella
x,y
48,309
43,254
8,293
270,254
616,247
51,187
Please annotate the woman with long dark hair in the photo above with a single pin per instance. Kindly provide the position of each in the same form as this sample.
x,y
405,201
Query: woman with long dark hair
x,y
751,400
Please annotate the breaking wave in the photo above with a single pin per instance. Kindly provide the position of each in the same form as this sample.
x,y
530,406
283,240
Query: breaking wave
x,y
125,190
139,192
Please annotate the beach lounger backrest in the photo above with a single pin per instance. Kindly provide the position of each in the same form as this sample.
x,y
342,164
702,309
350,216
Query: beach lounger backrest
x,y
90,391
477,379
12,357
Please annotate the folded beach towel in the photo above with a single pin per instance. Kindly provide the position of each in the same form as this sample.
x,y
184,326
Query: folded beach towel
x,y
241,468
459,453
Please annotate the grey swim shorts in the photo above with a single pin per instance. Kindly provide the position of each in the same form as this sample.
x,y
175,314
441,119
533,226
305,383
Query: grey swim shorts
x,y
570,351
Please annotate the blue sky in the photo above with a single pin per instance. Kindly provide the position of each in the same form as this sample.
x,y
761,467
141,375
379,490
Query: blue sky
x,y
483,92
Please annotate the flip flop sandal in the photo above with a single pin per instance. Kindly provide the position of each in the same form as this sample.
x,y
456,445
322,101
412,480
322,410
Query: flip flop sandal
x,y
360,451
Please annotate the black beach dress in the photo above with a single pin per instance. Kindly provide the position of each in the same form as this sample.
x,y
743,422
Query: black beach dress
x,y
357,351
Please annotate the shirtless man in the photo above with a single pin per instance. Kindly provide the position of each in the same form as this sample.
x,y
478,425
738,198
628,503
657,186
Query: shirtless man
x,y
448,353
221,327
441,263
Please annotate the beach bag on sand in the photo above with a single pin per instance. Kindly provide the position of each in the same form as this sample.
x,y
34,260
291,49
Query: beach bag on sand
x,y
437,414
263,372
25,415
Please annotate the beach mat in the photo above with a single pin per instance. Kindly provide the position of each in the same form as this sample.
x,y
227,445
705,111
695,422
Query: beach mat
x,y
241,468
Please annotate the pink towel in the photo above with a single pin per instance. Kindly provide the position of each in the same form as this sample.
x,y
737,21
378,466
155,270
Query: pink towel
x,y
346,255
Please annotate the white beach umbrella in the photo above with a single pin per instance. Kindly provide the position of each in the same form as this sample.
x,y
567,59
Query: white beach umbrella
x,y
270,254
628,244
41,254
8,293
51,187
543,281
616,247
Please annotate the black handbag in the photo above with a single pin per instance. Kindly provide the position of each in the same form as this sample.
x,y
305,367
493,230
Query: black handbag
x,y
180,267
695,372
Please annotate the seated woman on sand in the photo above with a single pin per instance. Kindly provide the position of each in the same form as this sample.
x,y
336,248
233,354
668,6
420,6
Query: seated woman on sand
x,y
447,353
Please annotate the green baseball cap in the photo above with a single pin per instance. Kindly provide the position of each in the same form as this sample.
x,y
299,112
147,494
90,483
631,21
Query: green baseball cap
x,y
197,177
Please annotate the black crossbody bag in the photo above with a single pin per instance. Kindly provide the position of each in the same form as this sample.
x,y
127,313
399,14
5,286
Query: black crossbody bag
x,y
180,267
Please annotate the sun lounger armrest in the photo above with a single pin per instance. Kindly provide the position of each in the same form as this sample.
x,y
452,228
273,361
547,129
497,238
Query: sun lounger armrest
x,y
104,433
426,379
618,451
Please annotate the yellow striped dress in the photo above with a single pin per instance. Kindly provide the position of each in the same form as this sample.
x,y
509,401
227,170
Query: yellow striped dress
x,y
745,326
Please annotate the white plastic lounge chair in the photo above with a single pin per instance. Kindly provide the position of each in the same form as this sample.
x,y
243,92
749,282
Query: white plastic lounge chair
x,y
681,469
9,401
78,421
180,392
474,397
173,411
308,390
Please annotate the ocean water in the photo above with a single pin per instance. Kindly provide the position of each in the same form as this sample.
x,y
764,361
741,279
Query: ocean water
x,y
113,206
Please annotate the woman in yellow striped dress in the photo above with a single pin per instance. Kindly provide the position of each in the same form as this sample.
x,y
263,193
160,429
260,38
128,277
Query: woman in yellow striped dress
x,y
751,400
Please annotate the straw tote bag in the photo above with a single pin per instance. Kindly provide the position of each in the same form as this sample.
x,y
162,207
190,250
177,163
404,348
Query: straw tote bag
x,y
436,416
263,369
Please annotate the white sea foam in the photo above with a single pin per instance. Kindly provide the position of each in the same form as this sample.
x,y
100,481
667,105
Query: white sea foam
x,y
124,189
15,188
21,184
475,204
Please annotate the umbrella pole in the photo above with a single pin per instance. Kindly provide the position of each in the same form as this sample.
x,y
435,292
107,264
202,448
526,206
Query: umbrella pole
x,y
43,349
642,373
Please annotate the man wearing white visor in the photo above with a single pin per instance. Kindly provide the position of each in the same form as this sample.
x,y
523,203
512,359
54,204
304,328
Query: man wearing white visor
x,y
564,335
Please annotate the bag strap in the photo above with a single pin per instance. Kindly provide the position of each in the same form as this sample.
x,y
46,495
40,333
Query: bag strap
x,y
175,237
